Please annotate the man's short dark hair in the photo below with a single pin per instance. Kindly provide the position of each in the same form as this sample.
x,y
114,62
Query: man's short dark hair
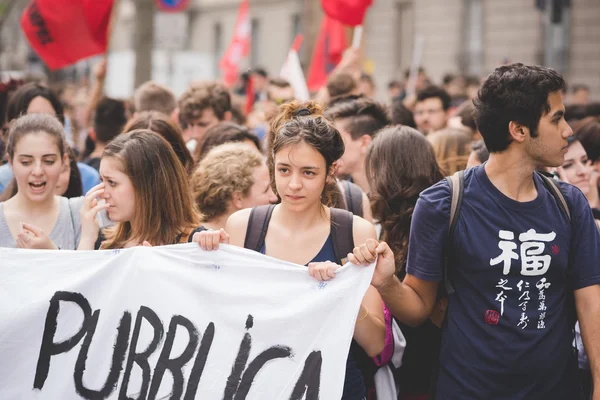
x,y
401,115
201,96
260,71
365,116
279,82
394,84
340,84
514,92
110,118
575,112
431,92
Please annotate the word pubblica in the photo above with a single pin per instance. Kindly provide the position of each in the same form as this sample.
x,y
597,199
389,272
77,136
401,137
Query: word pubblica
x,y
196,352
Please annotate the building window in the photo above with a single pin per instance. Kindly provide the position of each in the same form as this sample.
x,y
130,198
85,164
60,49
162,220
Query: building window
x,y
255,43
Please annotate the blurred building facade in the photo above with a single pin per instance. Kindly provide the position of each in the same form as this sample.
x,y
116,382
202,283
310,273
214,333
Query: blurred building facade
x,y
457,36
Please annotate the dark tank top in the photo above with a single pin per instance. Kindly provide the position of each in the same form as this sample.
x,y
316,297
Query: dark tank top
x,y
354,384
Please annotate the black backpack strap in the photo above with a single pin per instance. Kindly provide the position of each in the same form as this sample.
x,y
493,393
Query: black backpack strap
x,y
557,193
258,224
457,189
341,234
353,197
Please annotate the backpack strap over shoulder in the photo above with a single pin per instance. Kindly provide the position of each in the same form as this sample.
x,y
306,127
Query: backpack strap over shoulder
x,y
557,193
353,197
258,224
457,189
341,234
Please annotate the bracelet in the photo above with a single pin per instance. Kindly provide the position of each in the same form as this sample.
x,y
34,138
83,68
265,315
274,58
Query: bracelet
x,y
367,313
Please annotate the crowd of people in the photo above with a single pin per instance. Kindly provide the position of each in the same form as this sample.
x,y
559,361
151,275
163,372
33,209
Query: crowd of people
x,y
484,272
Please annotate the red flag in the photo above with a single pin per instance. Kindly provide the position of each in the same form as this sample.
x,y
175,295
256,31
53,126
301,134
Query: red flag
x,y
63,32
348,12
330,46
239,46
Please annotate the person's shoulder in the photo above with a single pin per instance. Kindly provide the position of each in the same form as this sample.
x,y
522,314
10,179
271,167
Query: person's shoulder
x,y
436,196
576,200
237,225
75,203
87,170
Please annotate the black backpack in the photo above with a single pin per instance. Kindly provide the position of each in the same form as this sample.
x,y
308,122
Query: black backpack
x,y
341,231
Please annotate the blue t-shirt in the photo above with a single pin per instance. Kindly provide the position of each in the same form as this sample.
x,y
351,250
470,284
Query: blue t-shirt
x,y
507,335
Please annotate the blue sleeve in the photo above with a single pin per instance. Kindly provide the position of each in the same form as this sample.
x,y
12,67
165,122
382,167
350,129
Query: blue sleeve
x,y
429,233
584,251
89,177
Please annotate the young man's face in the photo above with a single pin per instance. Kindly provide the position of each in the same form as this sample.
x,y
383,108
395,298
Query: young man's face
x,y
207,120
430,115
352,160
549,147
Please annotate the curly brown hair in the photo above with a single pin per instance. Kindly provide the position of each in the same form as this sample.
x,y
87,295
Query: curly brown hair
x,y
226,169
201,96
400,164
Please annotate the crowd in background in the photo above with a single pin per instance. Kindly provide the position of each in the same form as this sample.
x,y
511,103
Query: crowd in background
x,y
84,171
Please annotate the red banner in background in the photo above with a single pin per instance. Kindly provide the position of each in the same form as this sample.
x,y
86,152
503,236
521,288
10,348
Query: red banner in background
x,y
63,32
348,12
239,46
329,48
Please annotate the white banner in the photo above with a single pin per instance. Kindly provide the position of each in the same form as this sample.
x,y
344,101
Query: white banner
x,y
172,322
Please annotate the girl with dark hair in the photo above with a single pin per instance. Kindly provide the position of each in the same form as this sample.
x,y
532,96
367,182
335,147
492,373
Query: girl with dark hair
x,y
304,150
34,98
145,192
160,124
37,156
400,164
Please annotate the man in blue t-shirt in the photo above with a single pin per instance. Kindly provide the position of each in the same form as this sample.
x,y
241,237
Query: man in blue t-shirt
x,y
515,259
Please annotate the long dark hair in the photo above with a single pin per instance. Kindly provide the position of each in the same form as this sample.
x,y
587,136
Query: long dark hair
x,y
400,164
19,101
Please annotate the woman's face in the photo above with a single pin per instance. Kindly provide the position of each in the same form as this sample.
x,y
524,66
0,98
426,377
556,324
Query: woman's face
x,y
300,175
261,192
37,165
39,105
118,190
577,168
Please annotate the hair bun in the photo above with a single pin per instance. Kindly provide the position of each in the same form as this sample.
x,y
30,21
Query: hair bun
x,y
302,112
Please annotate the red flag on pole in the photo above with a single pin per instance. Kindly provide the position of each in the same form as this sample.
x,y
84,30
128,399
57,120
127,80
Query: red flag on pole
x,y
239,46
63,32
329,48
348,12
